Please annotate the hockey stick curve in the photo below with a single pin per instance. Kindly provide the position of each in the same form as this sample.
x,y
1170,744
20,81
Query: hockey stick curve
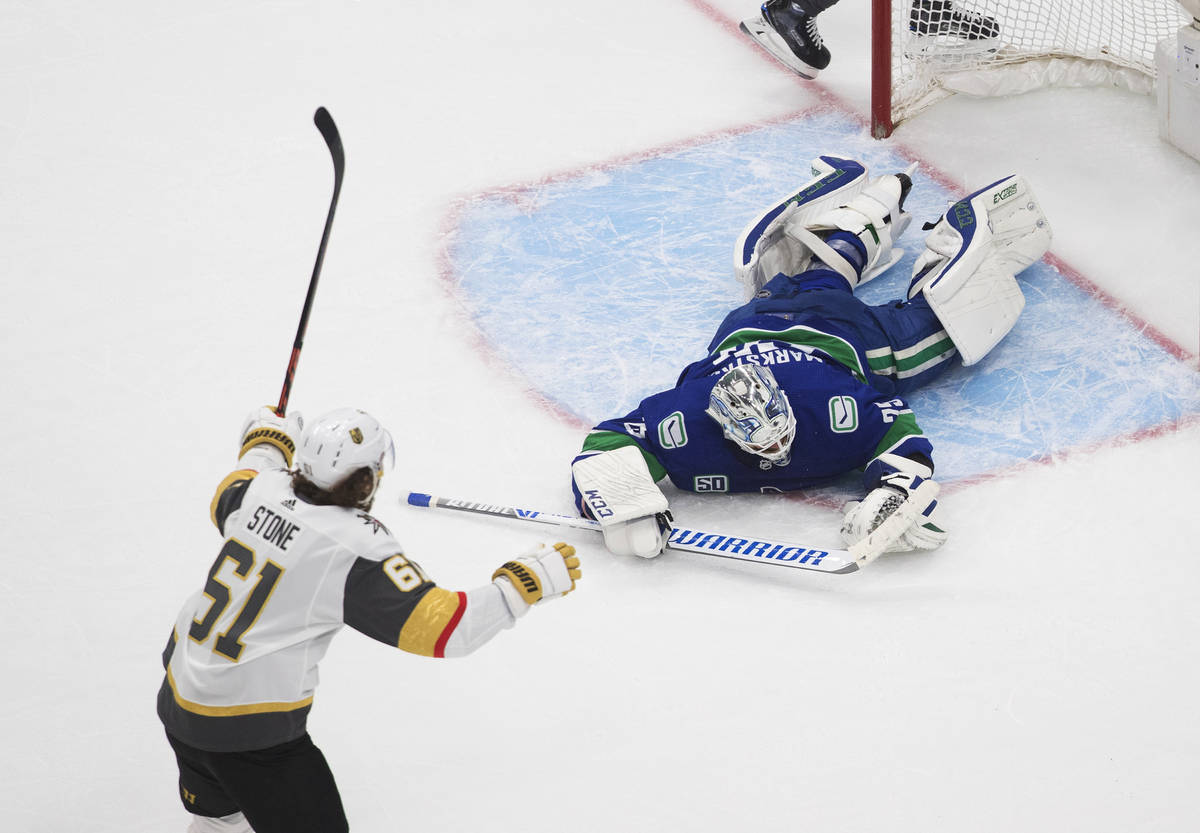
x,y
333,141
756,550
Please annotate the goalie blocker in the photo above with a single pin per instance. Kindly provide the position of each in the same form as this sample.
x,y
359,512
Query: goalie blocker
x,y
616,490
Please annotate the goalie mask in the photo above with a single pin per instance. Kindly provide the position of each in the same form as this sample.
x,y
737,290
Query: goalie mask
x,y
340,443
754,413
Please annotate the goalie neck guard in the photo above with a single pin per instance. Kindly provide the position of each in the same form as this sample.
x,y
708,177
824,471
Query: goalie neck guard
x,y
754,413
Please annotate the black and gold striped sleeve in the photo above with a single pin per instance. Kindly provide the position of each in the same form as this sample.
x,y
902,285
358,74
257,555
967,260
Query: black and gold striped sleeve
x,y
393,602
228,497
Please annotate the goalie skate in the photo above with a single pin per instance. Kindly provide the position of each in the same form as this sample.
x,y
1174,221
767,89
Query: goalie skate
x,y
938,28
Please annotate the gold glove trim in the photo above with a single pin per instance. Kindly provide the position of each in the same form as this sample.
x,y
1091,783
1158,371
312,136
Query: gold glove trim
x,y
270,436
522,578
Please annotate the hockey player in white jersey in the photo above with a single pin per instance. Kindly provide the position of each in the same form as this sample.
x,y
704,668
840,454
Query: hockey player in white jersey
x,y
300,558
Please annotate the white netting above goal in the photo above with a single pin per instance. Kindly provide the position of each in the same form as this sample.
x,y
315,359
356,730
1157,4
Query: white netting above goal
x,y
999,47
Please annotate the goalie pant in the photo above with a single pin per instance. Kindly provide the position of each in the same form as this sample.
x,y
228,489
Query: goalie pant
x,y
241,661
845,367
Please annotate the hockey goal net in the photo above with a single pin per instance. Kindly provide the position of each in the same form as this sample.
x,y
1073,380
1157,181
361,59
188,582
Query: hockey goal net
x,y
925,50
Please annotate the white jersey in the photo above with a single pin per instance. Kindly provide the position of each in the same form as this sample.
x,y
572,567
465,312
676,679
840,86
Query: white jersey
x,y
241,664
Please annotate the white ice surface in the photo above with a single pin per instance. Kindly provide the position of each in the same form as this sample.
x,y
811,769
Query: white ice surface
x,y
162,192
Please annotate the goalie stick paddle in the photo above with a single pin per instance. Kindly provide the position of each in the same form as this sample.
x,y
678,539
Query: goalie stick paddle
x,y
756,550
333,140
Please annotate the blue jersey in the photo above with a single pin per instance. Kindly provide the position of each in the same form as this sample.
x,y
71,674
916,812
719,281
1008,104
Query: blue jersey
x,y
842,422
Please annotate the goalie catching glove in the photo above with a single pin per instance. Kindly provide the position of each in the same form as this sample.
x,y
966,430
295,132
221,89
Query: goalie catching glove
x,y
616,490
540,574
862,517
269,440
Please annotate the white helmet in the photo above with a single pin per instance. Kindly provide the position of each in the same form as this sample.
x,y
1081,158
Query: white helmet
x,y
754,413
340,443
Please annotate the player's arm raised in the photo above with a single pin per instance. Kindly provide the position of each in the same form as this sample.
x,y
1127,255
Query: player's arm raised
x,y
266,441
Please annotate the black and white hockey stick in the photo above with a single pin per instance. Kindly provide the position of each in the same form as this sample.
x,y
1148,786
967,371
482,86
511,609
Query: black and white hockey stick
x,y
329,132
757,550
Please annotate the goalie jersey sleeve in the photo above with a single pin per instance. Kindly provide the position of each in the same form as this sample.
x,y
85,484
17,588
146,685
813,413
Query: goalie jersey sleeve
x,y
842,424
241,662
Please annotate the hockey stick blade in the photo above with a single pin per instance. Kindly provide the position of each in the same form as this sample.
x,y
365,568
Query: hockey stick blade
x,y
755,550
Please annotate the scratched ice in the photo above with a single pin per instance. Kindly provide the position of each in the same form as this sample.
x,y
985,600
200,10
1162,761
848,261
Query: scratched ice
x,y
626,270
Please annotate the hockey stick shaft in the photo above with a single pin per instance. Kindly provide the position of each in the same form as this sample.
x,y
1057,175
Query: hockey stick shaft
x,y
333,140
755,550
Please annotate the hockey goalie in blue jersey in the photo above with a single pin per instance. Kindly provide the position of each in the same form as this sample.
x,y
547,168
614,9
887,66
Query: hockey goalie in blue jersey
x,y
805,382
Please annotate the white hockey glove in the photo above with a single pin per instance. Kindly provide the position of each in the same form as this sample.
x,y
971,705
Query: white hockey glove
x,y
538,575
621,495
862,517
269,440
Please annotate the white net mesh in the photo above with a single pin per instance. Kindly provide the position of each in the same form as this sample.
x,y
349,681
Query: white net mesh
x,y
999,47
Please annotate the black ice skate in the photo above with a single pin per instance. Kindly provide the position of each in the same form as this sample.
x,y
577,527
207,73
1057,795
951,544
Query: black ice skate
x,y
790,35
940,25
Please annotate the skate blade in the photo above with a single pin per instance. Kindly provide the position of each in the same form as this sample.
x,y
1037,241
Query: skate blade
x,y
949,46
758,31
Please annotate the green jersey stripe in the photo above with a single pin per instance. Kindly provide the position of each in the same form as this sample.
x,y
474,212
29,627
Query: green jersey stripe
x,y
598,441
803,338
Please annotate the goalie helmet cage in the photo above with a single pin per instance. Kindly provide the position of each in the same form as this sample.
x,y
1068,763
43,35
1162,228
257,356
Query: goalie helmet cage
x,y
925,50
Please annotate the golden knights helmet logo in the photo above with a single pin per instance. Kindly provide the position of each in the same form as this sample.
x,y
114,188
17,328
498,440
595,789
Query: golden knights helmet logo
x,y
341,442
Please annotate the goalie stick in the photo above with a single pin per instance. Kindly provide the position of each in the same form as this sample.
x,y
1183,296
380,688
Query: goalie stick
x,y
757,550
333,140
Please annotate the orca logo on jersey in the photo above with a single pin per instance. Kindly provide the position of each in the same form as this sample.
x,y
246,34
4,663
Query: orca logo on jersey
x,y
597,504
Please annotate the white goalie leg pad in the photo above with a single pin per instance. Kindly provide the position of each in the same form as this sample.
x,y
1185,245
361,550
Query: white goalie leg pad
x,y
875,216
624,499
972,256
763,250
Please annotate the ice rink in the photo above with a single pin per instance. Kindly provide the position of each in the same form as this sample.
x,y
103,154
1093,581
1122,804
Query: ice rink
x,y
162,194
